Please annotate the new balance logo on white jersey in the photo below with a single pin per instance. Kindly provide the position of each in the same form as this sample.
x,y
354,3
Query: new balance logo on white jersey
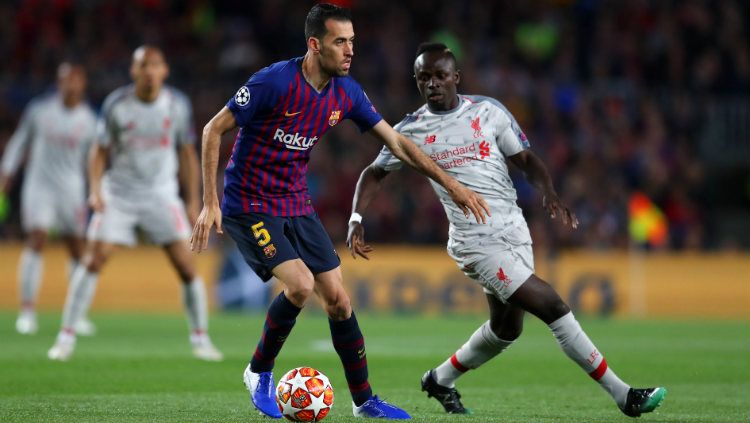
x,y
294,141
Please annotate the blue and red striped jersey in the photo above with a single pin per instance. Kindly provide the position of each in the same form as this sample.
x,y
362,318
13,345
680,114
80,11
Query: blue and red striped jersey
x,y
281,118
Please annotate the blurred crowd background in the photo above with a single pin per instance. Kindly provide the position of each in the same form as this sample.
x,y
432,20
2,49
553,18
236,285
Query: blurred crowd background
x,y
617,97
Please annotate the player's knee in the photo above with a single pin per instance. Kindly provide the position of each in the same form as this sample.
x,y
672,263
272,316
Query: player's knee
x,y
187,274
340,308
36,242
510,332
507,329
557,309
301,289
95,262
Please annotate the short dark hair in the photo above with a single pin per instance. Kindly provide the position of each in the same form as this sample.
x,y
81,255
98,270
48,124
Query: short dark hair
x,y
434,47
315,23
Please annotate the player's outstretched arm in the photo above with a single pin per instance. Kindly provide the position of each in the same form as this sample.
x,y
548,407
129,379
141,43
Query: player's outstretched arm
x,y
97,162
537,174
401,147
15,151
211,214
367,186
189,180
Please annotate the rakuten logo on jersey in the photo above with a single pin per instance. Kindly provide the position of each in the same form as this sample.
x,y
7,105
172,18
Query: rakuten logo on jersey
x,y
293,141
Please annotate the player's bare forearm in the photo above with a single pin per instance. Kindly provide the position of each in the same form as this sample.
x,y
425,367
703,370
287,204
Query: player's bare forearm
x,y
188,172
212,132
403,148
189,179
211,213
535,171
537,174
367,186
97,163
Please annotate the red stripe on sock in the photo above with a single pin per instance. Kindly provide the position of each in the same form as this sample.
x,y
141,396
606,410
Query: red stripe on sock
x,y
350,345
599,372
460,367
359,388
360,364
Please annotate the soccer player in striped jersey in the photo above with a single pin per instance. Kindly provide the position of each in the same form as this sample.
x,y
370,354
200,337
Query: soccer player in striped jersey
x,y
473,138
57,130
283,111
146,134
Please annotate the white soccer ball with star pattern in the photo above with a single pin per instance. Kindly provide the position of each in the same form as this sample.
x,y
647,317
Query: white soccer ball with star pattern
x,y
304,395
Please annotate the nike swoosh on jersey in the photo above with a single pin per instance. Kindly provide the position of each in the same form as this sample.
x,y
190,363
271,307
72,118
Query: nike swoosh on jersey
x,y
287,114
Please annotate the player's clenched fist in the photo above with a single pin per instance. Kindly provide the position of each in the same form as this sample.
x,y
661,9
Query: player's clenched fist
x,y
209,216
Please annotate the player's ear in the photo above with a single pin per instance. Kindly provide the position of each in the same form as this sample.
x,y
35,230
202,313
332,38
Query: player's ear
x,y
133,71
457,76
313,44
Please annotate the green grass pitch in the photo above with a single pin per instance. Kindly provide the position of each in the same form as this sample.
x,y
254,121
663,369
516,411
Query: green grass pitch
x,y
139,368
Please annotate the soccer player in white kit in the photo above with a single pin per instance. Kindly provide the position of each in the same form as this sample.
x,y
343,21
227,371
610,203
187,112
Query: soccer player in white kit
x,y
144,130
472,138
57,130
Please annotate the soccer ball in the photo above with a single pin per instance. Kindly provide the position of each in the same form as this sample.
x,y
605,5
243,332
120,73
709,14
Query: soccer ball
x,y
304,395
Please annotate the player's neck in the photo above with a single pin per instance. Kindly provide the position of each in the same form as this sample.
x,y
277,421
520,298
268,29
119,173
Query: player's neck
x,y
146,94
313,74
71,101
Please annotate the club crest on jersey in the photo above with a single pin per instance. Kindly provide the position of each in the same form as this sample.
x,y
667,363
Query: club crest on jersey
x,y
503,278
477,128
269,251
334,118
242,98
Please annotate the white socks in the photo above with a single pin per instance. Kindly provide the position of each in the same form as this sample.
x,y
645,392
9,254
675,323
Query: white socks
x,y
72,266
580,349
480,348
196,306
29,277
80,293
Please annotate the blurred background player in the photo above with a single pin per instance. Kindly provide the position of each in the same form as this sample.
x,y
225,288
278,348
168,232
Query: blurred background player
x,y
57,130
145,129
282,111
472,138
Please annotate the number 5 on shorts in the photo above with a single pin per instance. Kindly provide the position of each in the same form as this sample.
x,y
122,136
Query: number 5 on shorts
x,y
261,234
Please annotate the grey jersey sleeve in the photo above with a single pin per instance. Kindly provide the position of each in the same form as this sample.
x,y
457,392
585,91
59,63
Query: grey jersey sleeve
x,y
20,141
511,139
386,159
106,129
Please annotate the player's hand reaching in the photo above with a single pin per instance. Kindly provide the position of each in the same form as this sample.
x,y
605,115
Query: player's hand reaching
x,y
355,240
551,202
469,202
209,216
96,201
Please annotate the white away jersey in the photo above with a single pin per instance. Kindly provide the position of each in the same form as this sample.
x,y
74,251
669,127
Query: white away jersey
x,y
143,138
471,143
59,139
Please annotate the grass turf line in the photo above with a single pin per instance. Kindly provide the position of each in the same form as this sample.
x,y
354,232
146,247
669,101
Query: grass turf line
x,y
139,368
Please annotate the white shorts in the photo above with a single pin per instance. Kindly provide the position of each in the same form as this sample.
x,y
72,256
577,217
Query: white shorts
x,y
46,209
161,217
499,267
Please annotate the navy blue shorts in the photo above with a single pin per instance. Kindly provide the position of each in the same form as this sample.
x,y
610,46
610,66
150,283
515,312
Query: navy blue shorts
x,y
266,241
